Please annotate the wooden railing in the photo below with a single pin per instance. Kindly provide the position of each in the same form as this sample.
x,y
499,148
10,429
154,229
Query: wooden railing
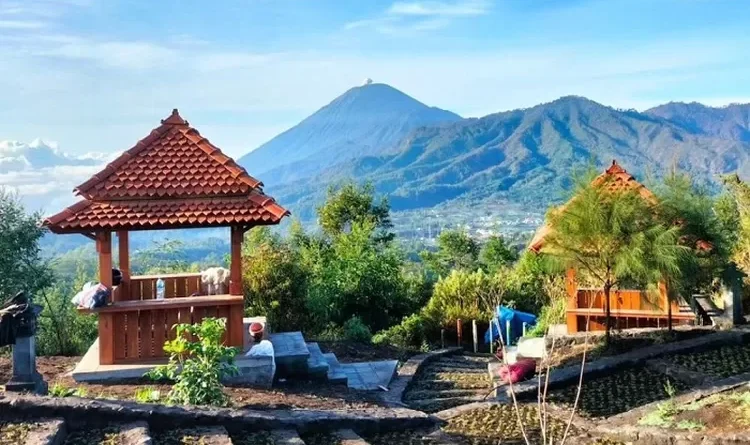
x,y
135,331
143,287
629,308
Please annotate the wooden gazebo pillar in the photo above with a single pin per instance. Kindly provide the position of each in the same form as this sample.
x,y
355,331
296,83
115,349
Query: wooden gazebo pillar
x,y
123,252
235,267
106,325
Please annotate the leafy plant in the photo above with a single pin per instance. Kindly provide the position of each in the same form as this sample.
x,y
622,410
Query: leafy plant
x,y
60,390
355,330
197,367
147,395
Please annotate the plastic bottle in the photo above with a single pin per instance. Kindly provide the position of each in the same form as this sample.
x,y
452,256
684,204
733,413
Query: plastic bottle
x,y
159,289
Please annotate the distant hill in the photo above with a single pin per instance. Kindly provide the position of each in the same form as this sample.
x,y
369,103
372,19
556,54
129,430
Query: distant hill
x,y
366,120
730,122
528,155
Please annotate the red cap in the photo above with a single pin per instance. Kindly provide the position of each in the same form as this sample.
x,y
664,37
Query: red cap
x,y
256,328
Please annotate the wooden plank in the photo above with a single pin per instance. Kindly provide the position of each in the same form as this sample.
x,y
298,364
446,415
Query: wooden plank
x,y
234,325
170,290
172,318
106,339
208,300
186,317
199,313
148,289
118,329
160,332
210,311
193,286
135,289
131,335
145,338
181,286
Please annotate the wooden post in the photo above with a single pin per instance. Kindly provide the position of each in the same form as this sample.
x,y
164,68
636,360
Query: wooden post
x,y
106,331
123,252
459,331
474,335
235,268
571,288
442,338
104,248
492,332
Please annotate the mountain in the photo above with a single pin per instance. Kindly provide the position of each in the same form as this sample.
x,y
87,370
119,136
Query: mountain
x,y
18,156
729,122
365,120
528,156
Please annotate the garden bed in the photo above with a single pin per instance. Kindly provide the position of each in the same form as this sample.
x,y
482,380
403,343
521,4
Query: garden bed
x,y
352,352
609,394
724,361
722,413
15,430
106,435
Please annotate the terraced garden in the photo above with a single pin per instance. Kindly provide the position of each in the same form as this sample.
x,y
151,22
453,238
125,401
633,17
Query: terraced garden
x,y
450,381
724,361
615,393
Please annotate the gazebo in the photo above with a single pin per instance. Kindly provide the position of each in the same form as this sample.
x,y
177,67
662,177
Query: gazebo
x,y
630,308
174,178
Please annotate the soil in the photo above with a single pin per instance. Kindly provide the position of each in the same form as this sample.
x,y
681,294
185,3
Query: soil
x,y
719,414
349,352
572,354
289,394
15,431
94,436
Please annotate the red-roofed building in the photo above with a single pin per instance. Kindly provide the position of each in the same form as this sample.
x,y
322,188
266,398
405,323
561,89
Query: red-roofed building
x,y
174,178
630,308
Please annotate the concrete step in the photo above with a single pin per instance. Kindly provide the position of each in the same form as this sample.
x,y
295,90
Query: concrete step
x,y
290,353
335,374
317,365
349,437
286,437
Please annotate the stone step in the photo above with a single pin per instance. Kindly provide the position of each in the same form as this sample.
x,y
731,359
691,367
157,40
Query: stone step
x,y
203,435
135,433
49,432
286,437
335,374
290,353
317,365
349,437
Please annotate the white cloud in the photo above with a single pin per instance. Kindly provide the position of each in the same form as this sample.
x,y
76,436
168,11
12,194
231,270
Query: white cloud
x,y
464,8
21,24
408,18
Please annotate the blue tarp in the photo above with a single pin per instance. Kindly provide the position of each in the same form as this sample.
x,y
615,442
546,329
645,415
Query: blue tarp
x,y
503,315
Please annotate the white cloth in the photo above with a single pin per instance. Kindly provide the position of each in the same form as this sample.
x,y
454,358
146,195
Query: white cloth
x,y
264,348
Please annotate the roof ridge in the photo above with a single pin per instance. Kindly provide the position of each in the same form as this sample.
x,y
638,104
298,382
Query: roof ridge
x,y
177,123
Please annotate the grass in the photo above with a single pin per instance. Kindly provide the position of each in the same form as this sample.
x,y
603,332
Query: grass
x,y
60,390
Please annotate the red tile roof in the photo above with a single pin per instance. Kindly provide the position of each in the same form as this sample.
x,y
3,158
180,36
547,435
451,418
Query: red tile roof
x,y
617,179
172,178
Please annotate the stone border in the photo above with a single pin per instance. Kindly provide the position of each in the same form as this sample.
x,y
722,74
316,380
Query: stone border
x,y
408,371
571,373
51,432
72,408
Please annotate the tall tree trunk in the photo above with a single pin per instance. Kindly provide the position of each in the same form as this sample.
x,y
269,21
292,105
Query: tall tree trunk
x,y
608,316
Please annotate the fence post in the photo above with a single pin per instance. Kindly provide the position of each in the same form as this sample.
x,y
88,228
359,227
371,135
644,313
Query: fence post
x,y
492,341
474,334
459,330
507,333
442,338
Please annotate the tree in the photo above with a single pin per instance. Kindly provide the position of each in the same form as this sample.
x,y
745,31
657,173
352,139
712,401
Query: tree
x,y
350,204
496,254
455,250
707,240
613,237
21,266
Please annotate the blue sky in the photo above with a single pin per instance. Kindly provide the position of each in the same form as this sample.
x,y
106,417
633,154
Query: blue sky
x,y
98,75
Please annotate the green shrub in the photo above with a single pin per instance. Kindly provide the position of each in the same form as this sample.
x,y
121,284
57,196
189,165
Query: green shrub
x,y
554,311
197,367
356,330
411,332
464,295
